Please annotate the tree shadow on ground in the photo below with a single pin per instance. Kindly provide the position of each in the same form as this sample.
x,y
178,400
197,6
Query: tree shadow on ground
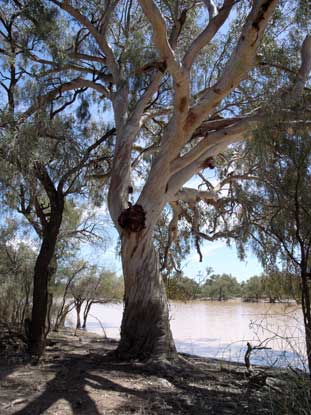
x,y
72,387
89,382
5,372
184,392
67,387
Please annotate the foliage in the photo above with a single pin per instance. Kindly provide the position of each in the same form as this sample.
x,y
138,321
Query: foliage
x,y
182,288
252,289
78,286
221,287
273,286
275,209
16,265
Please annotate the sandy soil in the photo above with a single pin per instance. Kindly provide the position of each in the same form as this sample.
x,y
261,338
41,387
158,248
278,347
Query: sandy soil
x,y
78,376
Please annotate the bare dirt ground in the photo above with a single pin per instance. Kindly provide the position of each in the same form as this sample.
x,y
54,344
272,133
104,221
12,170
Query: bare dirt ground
x,y
77,377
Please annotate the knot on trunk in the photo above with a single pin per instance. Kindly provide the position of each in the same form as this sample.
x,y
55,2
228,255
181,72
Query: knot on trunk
x,y
133,218
208,163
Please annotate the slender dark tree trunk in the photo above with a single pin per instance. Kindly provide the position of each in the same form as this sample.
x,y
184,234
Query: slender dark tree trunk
x,y
40,298
145,329
26,304
48,314
61,318
78,305
306,311
42,275
64,308
86,311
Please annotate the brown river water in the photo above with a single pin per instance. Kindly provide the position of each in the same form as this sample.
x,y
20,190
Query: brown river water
x,y
222,329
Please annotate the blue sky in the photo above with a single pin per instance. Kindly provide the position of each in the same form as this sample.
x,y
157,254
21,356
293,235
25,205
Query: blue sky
x,y
217,254
222,259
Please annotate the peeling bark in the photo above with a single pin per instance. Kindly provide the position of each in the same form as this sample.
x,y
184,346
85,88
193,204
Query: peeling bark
x,y
145,329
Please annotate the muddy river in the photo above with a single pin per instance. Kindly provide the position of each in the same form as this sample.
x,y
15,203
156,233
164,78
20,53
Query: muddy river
x,y
222,329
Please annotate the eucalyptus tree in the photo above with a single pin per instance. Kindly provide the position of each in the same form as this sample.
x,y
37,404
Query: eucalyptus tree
x,y
44,161
105,287
221,287
277,208
93,286
182,288
39,188
182,86
252,289
38,182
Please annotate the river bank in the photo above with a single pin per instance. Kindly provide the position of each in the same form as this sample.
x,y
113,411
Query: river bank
x,y
76,376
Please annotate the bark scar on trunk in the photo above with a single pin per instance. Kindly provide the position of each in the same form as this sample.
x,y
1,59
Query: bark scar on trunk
x,y
133,218
208,163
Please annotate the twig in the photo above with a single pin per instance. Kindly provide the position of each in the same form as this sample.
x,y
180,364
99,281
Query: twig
x,y
100,323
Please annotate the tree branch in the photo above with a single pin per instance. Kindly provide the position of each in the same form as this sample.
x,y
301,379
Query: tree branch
x,y
305,67
216,21
211,7
68,86
187,194
160,38
81,163
212,144
98,36
242,60
43,176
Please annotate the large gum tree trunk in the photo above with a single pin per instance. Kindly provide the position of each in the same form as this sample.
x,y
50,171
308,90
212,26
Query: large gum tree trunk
x,y
145,329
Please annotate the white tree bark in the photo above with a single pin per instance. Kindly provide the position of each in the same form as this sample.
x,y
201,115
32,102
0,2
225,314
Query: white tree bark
x,y
145,330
